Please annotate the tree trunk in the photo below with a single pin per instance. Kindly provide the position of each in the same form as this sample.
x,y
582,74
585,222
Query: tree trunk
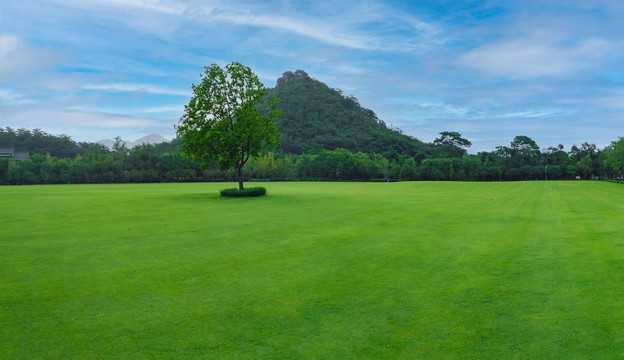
x,y
240,179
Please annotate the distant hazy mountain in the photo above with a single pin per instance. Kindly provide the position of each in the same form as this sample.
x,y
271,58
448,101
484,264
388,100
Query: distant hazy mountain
x,y
149,139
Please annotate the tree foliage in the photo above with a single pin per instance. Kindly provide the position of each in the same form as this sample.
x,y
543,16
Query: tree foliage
x,y
222,123
615,157
452,145
38,141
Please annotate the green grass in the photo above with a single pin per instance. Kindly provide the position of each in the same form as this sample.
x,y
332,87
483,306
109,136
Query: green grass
x,y
438,270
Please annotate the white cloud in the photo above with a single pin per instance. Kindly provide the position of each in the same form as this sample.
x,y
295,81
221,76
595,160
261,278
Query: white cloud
x,y
444,109
167,7
163,109
132,88
67,118
159,6
365,26
10,97
325,32
540,54
538,113
603,99
17,57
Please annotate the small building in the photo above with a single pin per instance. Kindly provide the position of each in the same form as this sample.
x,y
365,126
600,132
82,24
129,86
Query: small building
x,y
6,153
11,154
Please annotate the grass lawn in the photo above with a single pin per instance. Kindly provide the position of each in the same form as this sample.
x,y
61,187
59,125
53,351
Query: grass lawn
x,y
409,270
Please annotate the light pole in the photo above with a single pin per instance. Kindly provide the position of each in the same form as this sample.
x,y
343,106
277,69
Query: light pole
x,y
546,172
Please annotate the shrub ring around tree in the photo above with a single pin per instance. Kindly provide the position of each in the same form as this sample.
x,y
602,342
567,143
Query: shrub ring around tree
x,y
249,192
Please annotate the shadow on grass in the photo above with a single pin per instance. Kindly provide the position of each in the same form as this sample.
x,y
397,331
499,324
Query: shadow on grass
x,y
215,196
198,197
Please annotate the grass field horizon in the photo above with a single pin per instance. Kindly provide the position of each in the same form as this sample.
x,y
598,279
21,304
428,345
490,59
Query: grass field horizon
x,y
321,270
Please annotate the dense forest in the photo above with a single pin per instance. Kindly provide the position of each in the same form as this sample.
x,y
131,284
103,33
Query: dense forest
x,y
325,136
58,159
40,142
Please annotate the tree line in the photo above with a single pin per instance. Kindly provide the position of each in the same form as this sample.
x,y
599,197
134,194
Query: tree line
x,y
521,160
39,142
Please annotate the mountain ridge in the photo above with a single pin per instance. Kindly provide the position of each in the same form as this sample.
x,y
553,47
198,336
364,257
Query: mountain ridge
x,y
151,139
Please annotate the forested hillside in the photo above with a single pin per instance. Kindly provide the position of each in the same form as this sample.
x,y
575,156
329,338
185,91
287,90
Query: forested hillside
x,y
316,117
38,141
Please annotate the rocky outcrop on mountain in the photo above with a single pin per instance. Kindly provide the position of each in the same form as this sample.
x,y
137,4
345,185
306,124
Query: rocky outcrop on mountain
x,y
289,76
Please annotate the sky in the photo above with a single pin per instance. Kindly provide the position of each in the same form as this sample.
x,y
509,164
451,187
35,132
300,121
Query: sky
x,y
490,70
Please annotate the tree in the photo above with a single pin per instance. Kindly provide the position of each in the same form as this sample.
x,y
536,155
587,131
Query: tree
x,y
555,156
4,170
222,123
585,166
120,149
615,157
527,150
409,170
143,164
452,144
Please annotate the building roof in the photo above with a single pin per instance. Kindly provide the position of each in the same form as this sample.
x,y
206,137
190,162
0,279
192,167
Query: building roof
x,y
9,152
21,155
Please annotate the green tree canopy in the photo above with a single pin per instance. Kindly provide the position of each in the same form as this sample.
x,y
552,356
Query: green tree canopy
x,y
615,157
222,123
452,145
526,149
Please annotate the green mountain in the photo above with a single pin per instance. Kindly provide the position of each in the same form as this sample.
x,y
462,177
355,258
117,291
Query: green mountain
x,y
316,117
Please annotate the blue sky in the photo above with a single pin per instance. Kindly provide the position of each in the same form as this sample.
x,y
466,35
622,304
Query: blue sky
x,y
491,70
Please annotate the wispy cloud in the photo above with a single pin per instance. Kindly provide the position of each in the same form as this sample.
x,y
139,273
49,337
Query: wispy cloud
x,y
326,33
18,57
364,26
9,97
50,117
166,7
89,125
538,113
134,88
163,109
535,56
162,6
